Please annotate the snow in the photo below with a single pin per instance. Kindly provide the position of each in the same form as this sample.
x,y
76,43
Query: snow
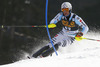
x,y
85,53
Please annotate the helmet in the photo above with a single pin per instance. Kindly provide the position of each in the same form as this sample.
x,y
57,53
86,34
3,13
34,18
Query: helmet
x,y
66,5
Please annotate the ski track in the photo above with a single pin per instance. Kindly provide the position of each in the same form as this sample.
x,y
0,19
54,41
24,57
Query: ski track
x,y
83,53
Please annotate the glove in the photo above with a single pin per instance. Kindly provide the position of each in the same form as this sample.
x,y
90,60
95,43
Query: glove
x,y
51,25
78,36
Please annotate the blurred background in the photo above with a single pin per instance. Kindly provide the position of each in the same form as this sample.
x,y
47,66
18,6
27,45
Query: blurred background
x,y
18,43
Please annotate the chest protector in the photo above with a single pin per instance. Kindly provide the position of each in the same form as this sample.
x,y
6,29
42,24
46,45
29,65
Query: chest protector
x,y
70,24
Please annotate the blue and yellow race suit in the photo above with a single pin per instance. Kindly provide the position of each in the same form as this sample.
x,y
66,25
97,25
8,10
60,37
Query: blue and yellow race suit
x,y
72,25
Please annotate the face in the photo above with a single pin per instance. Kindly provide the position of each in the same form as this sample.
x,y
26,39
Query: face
x,y
65,11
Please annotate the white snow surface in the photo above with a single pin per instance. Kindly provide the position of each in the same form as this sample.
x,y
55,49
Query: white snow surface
x,y
84,53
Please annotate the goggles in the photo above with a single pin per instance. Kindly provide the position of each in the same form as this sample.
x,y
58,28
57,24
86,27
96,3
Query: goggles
x,y
65,9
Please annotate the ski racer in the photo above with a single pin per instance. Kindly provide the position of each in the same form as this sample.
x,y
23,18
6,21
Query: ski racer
x,y
74,26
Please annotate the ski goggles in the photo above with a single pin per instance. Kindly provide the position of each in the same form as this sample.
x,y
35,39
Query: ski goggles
x,y
65,9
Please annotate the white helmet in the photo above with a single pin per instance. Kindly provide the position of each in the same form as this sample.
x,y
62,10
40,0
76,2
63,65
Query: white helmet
x,y
66,5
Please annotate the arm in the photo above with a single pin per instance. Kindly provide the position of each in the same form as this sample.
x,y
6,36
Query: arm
x,y
82,25
57,18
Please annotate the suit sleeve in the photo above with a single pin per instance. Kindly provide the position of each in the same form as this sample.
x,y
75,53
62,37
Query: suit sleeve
x,y
56,19
82,24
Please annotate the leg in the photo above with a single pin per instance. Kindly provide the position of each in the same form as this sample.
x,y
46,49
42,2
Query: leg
x,y
45,51
50,51
39,52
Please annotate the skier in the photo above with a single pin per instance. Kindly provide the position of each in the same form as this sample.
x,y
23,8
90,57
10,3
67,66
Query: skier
x,y
74,26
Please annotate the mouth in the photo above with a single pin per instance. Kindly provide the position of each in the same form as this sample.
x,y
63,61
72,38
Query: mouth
x,y
65,14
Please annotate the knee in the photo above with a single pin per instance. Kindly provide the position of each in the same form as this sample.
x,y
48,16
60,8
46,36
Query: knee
x,y
56,46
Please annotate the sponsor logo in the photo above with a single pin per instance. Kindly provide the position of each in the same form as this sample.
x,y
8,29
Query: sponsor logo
x,y
68,24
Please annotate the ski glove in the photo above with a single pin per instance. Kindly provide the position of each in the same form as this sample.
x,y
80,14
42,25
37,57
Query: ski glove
x,y
78,36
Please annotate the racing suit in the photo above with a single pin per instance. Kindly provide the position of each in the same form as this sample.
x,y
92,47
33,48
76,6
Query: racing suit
x,y
72,25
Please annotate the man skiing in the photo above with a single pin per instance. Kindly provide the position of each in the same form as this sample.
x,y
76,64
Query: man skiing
x,y
74,26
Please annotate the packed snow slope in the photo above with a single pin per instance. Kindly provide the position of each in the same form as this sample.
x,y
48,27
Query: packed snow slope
x,y
84,53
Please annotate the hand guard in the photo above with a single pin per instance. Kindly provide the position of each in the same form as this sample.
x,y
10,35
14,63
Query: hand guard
x,y
51,25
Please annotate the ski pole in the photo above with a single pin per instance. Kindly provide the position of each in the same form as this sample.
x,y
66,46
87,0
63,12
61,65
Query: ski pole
x,y
81,38
49,26
92,39
23,26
